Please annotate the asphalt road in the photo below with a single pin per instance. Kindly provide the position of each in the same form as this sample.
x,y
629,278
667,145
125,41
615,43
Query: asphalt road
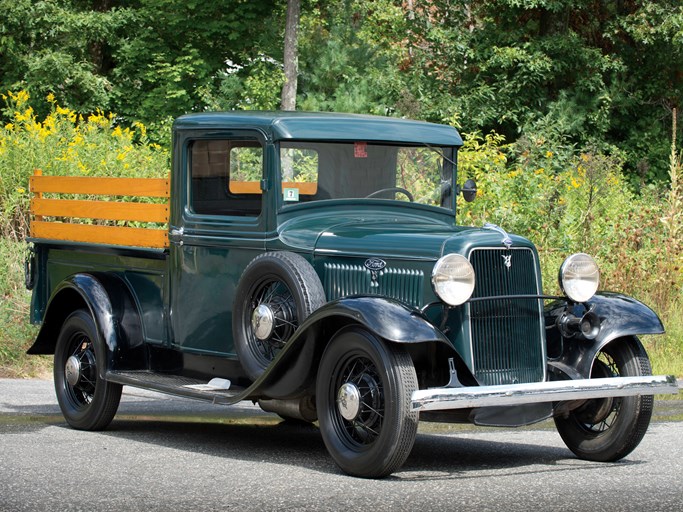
x,y
168,454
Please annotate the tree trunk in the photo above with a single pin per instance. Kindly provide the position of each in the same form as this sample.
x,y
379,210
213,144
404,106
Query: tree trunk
x,y
291,56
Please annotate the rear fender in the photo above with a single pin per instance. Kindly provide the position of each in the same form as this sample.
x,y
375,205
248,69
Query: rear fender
x,y
620,317
292,373
110,303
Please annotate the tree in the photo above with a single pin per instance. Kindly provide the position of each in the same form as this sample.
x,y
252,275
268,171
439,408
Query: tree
x,y
291,56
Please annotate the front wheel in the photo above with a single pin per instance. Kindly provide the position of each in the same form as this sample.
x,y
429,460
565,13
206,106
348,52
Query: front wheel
x,y
87,401
608,429
364,389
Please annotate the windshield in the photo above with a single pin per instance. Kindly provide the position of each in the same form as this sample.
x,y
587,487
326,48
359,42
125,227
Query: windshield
x,y
315,171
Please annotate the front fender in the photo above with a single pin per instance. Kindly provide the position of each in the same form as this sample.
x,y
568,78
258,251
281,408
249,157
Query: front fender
x,y
620,316
292,373
110,303
387,318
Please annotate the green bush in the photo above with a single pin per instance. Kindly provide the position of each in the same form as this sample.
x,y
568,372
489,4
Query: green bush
x,y
65,143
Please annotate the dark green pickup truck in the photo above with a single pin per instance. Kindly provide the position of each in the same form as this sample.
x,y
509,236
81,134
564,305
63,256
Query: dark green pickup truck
x,y
312,263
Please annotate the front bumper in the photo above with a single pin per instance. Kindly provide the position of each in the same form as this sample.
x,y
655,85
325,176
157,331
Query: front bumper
x,y
439,399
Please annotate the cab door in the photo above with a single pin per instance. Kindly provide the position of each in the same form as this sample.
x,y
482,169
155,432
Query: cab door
x,y
219,229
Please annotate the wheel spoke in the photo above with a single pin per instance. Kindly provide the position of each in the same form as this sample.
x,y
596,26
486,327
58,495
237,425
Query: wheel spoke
x,y
366,426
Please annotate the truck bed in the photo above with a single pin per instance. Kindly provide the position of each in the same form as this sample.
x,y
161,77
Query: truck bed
x,y
143,270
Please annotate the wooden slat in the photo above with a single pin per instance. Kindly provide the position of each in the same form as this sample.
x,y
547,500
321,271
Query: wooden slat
x,y
103,210
143,187
113,235
254,187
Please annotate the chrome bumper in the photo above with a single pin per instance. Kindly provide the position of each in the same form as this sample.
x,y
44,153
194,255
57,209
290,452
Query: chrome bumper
x,y
438,399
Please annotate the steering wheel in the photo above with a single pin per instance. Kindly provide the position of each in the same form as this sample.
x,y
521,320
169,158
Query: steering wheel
x,y
392,189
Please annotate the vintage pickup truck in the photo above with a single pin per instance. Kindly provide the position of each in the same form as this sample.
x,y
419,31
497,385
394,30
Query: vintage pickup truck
x,y
311,263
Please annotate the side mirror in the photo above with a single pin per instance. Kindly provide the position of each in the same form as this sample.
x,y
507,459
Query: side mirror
x,y
468,190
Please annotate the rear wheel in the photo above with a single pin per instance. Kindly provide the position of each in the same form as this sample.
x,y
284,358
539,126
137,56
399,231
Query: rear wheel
x,y
608,429
364,389
87,401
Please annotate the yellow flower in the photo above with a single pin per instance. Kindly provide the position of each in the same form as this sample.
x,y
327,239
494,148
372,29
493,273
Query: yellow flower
x,y
20,97
21,190
548,154
141,127
66,112
51,98
78,139
26,116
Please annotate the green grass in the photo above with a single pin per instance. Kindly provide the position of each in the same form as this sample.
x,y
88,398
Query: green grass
x,y
666,351
16,332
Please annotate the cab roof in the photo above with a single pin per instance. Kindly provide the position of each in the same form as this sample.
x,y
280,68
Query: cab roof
x,y
323,126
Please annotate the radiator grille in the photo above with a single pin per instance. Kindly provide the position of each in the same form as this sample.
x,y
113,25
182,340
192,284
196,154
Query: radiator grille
x,y
507,335
342,280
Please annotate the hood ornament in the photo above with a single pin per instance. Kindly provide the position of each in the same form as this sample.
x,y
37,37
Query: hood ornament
x,y
506,241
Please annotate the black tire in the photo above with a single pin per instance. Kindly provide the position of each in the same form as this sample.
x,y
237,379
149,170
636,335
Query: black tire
x,y
376,441
280,284
608,429
87,401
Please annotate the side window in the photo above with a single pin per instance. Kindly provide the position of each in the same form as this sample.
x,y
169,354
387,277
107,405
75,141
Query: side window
x,y
420,170
226,177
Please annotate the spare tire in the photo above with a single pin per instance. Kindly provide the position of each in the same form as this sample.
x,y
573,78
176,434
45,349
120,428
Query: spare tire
x,y
276,293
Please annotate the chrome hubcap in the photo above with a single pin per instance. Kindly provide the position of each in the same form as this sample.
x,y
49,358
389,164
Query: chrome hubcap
x,y
73,370
348,401
262,322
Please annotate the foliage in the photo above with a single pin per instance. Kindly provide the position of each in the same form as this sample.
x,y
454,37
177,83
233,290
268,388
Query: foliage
x,y
145,59
585,206
587,73
65,143
16,334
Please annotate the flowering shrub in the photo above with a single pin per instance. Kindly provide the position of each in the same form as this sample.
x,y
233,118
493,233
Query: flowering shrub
x,y
65,143
585,206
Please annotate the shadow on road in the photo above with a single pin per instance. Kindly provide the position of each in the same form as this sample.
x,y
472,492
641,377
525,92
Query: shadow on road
x,y
433,456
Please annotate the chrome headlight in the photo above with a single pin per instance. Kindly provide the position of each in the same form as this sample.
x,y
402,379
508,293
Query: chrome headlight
x,y
579,277
453,279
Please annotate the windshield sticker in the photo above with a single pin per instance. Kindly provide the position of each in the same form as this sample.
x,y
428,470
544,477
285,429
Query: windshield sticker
x,y
360,149
291,194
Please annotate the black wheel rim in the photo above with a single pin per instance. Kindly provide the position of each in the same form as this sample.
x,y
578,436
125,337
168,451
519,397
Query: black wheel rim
x,y
599,415
366,427
81,393
275,295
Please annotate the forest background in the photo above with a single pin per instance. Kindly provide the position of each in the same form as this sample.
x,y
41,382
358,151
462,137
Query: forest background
x,y
570,111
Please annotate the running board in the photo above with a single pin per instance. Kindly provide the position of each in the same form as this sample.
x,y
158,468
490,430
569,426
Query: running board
x,y
439,399
179,386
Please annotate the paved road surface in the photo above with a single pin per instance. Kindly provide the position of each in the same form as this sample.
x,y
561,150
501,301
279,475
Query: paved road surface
x,y
168,454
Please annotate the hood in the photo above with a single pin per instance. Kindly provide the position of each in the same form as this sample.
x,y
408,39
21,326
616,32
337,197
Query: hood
x,y
389,236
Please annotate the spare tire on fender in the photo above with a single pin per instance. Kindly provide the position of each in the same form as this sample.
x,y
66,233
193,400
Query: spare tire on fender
x,y
276,293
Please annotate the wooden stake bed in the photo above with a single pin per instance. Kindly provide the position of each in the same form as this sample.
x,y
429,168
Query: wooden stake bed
x,y
65,214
